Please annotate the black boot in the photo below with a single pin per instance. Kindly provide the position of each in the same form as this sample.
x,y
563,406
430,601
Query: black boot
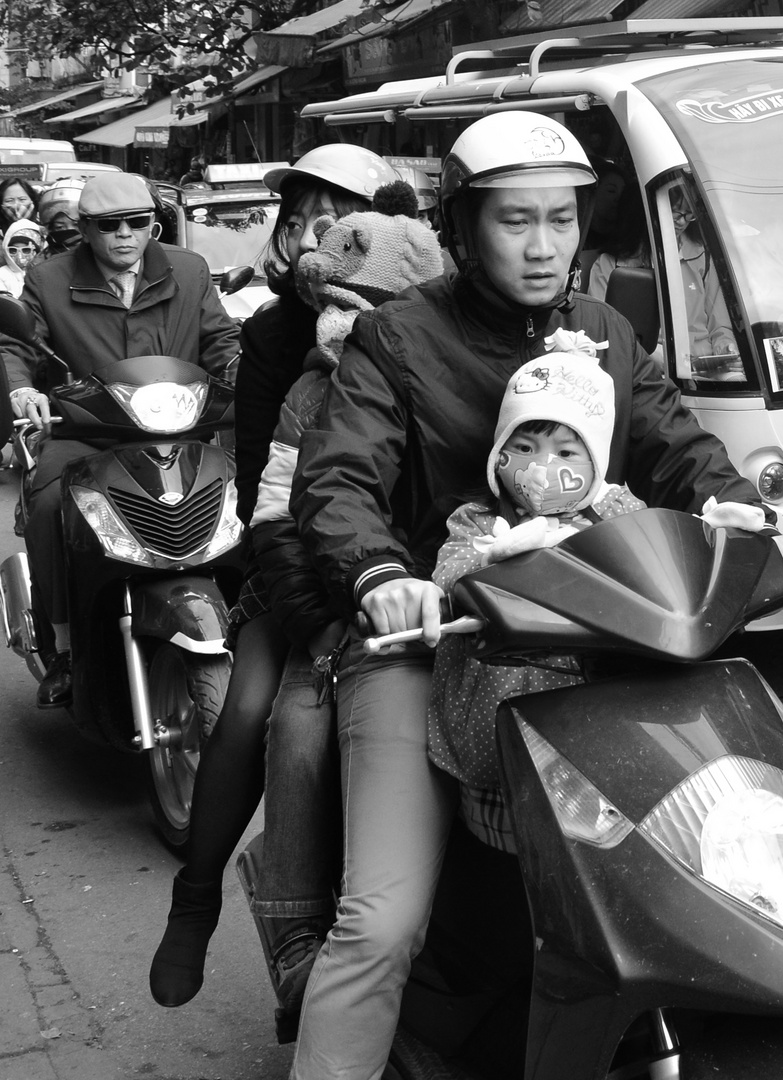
x,y
55,689
177,970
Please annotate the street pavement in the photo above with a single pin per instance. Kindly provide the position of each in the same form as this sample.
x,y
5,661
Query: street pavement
x,y
85,888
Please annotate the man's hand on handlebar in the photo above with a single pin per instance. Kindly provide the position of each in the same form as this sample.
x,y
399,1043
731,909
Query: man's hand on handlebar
x,y
31,405
405,604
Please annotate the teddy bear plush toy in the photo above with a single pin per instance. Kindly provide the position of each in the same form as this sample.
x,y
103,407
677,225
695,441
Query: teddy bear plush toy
x,y
363,259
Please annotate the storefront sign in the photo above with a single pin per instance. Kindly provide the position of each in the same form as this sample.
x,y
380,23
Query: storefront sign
x,y
285,50
157,137
417,53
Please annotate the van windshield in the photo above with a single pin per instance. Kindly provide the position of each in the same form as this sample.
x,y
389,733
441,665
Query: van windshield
x,y
230,234
729,120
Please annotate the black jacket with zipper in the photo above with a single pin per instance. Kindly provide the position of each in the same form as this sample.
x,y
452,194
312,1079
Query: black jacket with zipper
x,y
409,417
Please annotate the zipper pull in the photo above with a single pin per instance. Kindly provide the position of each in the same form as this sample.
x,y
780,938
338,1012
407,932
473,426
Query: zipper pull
x,y
531,330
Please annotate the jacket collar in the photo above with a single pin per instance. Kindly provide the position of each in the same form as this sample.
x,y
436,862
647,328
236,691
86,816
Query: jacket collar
x,y
485,305
88,275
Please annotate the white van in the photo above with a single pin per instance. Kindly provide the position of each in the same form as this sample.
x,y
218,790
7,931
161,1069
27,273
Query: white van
x,y
26,152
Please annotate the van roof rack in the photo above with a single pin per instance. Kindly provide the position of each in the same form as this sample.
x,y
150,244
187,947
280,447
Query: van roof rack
x,y
503,70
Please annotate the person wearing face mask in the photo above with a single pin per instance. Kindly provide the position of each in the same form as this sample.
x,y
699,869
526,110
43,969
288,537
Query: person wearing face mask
x,y
18,200
58,213
545,478
22,241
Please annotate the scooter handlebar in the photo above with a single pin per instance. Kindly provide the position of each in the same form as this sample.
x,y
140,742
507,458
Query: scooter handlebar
x,y
465,624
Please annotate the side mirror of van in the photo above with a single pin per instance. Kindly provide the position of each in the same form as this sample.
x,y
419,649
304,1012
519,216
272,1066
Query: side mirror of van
x,y
631,291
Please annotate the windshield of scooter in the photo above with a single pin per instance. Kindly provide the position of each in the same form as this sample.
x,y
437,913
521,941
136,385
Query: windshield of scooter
x,y
728,118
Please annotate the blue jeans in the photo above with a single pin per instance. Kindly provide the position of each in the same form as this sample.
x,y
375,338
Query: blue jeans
x,y
302,843
398,810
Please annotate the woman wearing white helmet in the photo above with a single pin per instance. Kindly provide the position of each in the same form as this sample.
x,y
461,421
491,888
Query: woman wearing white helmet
x,y
335,180
404,435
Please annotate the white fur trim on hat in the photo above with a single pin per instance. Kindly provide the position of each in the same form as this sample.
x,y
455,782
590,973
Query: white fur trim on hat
x,y
567,388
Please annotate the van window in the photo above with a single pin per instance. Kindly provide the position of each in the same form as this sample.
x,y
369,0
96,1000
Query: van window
x,y
729,119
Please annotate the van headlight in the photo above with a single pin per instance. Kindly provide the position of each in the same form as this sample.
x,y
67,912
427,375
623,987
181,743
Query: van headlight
x,y
725,824
770,482
161,407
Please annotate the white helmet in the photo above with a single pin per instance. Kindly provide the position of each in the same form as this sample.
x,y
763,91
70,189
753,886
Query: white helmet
x,y
426,195
61,198
343,165
508,150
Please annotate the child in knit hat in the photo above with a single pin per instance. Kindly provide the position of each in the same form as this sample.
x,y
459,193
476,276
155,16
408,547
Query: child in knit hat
x,y
546,479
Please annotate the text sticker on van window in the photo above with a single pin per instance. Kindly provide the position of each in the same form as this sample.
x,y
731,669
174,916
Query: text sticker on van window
x,y
740,111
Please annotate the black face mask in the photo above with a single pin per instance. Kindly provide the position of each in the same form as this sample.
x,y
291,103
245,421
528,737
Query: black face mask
x,y
63,240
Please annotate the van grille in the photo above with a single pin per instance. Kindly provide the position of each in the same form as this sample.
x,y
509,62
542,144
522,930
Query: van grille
x,y
174,531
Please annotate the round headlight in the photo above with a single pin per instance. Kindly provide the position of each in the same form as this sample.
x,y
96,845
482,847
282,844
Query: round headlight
x,y
770,482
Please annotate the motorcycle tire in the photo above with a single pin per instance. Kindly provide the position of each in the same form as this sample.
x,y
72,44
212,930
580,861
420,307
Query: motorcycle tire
x,y
186,693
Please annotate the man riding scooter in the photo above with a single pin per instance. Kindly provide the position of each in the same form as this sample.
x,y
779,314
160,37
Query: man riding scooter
x,y
119,293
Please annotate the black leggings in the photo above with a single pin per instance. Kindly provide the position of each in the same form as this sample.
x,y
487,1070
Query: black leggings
x,y
230,777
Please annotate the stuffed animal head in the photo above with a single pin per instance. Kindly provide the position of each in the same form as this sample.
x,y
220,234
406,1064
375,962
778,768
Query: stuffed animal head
x,y
364,259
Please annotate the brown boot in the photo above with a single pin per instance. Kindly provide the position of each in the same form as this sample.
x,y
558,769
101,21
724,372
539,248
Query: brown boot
x,y
177,971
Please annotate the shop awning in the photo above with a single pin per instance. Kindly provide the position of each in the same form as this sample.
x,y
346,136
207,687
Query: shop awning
x,y
96,109
257,78
293,43
66,95
396,19
683,9
561,13
122,132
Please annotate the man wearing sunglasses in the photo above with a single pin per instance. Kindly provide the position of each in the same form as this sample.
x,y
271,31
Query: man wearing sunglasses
x,y
117,294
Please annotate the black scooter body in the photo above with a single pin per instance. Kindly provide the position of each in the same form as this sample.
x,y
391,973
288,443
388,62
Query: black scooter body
x,y
564,969
182,593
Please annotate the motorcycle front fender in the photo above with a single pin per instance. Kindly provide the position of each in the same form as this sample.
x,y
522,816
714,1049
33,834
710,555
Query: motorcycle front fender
x,y
187,610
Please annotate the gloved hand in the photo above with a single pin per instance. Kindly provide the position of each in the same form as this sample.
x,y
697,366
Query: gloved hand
x,y
732,515
506,541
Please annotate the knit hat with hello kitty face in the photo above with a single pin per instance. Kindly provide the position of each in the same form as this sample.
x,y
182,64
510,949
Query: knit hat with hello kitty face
x,y
568,387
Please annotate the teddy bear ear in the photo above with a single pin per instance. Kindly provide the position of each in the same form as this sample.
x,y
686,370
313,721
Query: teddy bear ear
x,y
322,225
362,233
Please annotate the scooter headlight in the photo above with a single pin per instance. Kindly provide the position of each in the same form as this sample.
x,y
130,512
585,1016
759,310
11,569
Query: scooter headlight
x,y
162,407
117,541
582,812
725,824
229,527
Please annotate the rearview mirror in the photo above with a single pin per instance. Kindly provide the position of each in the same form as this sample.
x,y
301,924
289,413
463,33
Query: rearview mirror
x,y
235,279
16,320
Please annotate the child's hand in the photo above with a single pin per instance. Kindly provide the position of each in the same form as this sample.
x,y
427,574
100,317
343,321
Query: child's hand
x,y
539,532
732,515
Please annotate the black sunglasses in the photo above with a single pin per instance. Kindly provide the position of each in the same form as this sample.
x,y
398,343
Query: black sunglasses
x,y
112,224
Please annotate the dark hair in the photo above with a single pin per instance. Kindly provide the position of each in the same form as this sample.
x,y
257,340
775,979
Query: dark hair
x,y
28,189
538,427
296,191
632,237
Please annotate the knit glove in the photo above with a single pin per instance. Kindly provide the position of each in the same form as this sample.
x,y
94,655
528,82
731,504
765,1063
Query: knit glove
x,y
732,515
505,541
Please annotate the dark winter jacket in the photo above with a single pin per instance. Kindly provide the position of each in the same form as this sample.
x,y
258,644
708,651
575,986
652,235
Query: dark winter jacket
x,y
274,343
409,417
175,312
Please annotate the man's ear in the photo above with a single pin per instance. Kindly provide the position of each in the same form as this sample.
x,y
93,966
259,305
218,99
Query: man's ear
x,y
156,230
83,229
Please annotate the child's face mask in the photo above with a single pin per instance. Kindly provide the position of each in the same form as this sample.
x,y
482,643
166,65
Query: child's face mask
x,y
544,483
